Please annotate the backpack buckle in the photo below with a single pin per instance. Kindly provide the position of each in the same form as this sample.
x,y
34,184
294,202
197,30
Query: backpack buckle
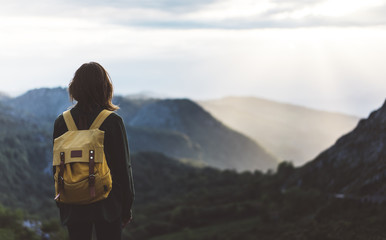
x,y
91,183
91,179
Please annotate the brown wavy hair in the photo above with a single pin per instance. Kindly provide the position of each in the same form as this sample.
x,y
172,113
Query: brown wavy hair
x,y
91,87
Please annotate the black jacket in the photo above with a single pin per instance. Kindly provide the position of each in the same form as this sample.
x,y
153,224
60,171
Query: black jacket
x,y
119,202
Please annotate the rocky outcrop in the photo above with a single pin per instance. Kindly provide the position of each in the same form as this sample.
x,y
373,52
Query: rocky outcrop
x,y
355,164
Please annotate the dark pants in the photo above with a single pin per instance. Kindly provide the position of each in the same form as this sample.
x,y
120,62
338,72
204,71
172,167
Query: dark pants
x,y
104,230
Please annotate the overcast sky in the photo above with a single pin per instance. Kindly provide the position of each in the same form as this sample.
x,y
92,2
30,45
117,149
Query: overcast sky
x,y
325,54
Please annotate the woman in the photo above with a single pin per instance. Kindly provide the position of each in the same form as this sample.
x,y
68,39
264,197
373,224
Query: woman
x,y
92,89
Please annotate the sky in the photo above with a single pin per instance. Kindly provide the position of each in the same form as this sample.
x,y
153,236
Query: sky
x,y
324,54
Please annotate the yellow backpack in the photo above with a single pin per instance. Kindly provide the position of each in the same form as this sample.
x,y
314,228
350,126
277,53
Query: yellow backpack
x,y
82,175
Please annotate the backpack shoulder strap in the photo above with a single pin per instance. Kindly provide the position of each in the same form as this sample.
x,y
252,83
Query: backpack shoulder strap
x,y
69,121
100,119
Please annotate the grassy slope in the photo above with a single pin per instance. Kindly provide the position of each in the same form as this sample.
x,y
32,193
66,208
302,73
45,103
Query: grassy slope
x,y
226,230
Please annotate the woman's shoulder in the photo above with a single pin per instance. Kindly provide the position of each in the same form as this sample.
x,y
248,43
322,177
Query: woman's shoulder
x,y
60,126
113,119
59,119
114,116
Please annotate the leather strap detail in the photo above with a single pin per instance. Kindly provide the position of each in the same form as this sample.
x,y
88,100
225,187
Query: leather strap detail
x,y
60,175
71,126
100,118
76,154
91,177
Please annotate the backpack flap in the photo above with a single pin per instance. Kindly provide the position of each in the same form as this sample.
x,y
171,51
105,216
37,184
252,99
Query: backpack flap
x,y
77,144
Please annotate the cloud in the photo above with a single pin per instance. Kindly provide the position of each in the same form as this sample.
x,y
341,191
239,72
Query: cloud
x,y
269,48
202,14
164,5
252,14
248,14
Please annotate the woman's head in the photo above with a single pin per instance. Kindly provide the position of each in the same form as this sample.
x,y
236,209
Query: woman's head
x,y
91,86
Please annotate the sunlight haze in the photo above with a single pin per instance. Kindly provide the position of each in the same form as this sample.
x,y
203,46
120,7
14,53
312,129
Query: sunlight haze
x,y
322,54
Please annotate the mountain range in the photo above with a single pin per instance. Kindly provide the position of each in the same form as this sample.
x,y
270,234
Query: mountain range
x,y
176,127
292,133
329,197
214,143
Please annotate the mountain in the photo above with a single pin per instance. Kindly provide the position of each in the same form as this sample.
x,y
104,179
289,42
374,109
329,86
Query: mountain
x,y
43,104
354,165
145,95
129,107
219,145
197,138
3,96
56,101
25,155
291,132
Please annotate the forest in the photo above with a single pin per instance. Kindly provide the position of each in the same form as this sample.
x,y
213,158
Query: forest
x,y
177,201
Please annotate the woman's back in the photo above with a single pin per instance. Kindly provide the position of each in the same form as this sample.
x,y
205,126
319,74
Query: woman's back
x,y
116,208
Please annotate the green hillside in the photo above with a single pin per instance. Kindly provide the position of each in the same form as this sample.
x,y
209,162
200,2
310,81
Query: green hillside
x,y
176,201
24,160
212,204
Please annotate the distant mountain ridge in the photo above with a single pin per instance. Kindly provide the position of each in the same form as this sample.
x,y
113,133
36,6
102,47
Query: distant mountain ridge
x,y
219,145
355,165
145,95
213,144
43,102
3,96
293,133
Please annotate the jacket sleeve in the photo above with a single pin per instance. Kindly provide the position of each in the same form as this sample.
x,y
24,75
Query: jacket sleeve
x,y
117,150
